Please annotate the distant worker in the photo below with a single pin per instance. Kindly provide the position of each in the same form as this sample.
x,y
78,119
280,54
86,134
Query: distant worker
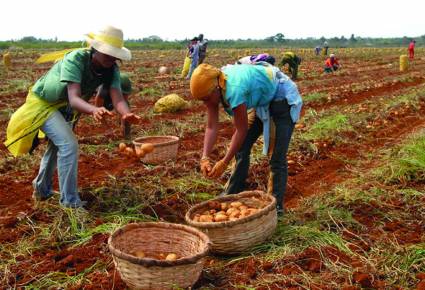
x,y
317,50
331,63
194,56
325,48
412,49
253,59
203,43
103,99
293,62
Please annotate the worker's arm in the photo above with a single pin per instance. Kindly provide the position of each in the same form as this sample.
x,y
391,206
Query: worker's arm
x,y
121,105
77,103
211,129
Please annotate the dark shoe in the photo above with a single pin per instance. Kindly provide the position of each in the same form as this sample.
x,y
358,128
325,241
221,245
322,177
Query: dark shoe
x,y
279,211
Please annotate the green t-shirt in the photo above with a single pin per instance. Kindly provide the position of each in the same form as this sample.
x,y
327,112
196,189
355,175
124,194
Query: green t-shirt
x,y
74,68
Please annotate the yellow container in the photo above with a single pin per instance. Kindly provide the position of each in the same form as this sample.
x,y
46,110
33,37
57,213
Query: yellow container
x,y
404,62
7,61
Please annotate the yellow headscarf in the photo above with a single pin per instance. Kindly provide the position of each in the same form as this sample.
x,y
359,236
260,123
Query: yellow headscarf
x,y
205,79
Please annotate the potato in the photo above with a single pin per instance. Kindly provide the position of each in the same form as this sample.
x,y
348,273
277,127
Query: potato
x,y
171,257
244,212
235,213
139,152
205,218
212,211
220,218
147,147
122,147
161,256
196,219
139,254
236,204
129,151
224,205
231,210
221,212
252,210
212,204
243,207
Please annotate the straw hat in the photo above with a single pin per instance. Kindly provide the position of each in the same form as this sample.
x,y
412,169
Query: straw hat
x,y
109,41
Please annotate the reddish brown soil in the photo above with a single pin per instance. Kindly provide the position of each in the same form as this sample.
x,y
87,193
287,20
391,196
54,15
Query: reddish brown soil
x,y
312,174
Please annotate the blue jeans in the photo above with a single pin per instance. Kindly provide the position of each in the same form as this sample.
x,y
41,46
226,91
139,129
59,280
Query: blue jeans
x,y
280,113
62,152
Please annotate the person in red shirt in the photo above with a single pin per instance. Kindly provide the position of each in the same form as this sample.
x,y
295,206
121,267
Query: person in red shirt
x,y
412,49
331,63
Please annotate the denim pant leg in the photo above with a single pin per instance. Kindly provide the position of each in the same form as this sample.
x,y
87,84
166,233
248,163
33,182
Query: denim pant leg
x,y
61,136
43,182
278,163
237,180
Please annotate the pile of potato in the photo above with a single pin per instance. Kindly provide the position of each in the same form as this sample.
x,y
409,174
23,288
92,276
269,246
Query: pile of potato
x,y
160,256
225,211
137,151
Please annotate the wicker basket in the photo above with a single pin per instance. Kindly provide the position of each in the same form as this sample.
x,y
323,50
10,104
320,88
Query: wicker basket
x,y
233,237
154,238
165,148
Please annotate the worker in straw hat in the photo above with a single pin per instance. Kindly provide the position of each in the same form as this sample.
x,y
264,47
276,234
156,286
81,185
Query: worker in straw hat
x,y
55,100
239,88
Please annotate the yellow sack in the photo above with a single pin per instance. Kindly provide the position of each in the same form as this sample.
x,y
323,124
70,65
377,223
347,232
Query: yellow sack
x,y
169,104
25,123
186,66
404,63
53,56
7,61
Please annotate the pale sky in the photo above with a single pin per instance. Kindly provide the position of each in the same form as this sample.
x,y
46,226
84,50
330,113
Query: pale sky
x,y
219,19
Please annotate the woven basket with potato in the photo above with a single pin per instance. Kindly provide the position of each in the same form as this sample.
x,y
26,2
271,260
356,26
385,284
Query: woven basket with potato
x,y
162,148
235,223
155,255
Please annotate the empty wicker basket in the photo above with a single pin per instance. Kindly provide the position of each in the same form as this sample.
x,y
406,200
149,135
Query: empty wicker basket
x,y
233,237
165,148
154,238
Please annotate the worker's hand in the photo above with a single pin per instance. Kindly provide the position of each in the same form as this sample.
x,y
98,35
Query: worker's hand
x,y
205,166
218,169
100,112
131,118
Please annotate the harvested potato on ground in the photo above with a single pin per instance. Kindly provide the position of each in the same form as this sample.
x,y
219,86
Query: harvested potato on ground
x,y
139,254
129,151
236,204
171,257
122,147
139,152
148,147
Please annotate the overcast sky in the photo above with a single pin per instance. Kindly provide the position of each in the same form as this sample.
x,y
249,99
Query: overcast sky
x,y
219,19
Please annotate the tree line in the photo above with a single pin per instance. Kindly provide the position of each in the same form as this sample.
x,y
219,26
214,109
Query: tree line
x,y
277,40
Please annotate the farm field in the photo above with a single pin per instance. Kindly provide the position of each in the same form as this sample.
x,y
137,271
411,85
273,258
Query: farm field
x,y
355,201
